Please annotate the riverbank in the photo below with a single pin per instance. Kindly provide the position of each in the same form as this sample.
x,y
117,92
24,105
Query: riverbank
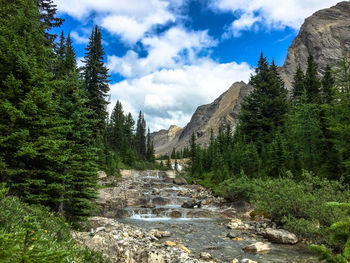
x,y
154,216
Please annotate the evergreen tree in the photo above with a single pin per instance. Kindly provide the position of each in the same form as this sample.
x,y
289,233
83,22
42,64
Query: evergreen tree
x,y
298,84
32,134
96,81
263,111
150,148
48,18
328,91
312,83
70,63
140,137
117,138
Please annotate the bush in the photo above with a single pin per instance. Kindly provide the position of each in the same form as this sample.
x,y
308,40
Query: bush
x,y
301,206
31,233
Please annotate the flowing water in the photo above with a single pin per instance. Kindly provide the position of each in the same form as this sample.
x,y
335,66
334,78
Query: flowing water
x,y
200,229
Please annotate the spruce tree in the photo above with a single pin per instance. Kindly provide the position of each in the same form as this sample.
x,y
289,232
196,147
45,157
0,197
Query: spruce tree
x,y
32,134
263,111
96,81
48,18
140,137
117,137
328,91
298,84
312,83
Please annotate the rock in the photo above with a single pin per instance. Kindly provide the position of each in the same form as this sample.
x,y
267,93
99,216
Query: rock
x,y
159,201
121,213
185,249
280,236
247,260
191,204
325,35
170,243
235,260
180,181
160,234
175,214
155,192
205,256
257,247
236,224
102,175
232,234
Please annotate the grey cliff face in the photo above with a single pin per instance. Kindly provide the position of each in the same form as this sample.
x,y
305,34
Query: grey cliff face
x,y
325,35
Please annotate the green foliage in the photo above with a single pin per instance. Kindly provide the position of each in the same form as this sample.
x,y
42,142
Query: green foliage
x,y
31,233
301,205
339,237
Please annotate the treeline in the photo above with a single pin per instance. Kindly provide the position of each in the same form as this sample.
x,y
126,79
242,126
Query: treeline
x,y
279,131
54,128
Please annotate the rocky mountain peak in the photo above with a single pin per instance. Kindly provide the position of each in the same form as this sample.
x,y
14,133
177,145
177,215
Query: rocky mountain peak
x,y
325,35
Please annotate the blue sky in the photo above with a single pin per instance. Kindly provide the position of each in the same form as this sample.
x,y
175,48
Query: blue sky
x,y
167,57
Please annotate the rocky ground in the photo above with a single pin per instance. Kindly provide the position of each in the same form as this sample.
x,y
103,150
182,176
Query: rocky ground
x,y
154,216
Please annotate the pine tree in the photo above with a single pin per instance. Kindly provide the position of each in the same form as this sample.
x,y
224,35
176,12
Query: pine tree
x,y
117,137
48,18
96,81
32,134
298,84
263,111
140,137
312,83
150,149
328,91
59,65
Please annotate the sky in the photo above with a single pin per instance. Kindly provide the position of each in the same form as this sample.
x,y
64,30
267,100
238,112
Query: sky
x,y
167,57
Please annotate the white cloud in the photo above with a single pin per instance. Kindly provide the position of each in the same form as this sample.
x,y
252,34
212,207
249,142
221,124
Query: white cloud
x,y
79,39
129,19
175,46
170,96
270,13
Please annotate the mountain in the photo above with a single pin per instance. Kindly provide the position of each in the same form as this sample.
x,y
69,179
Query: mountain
x,y
224,110
325,35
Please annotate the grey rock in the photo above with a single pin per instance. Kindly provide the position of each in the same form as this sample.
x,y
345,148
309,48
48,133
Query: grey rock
x,y
280,236
325,35
258,247
191,204
159,201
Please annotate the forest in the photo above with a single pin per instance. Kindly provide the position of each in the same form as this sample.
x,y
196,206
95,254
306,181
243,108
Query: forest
x,y
55,134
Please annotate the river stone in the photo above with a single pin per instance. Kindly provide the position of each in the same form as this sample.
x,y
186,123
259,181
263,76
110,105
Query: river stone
x,y
280,236
191,204
180,181
102,175
235,223
205,255
121,213
159,201
247,260
175,214
232,234
257,247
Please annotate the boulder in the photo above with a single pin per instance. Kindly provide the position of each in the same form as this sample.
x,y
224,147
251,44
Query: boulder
x,y
121,213
180,181
232,234
247,260
236,223
258,247
191,204
102,175
175,214
159,201
280,236
205,256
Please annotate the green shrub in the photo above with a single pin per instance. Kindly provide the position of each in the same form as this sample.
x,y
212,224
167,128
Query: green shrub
x,y
301,206
31,233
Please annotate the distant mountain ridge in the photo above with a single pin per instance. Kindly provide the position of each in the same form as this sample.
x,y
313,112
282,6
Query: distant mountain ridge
x,y
325,35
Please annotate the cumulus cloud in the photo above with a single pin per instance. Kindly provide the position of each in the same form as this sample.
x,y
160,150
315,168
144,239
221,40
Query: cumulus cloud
x,y
170,96
129,19
176,46
269,13
78,39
